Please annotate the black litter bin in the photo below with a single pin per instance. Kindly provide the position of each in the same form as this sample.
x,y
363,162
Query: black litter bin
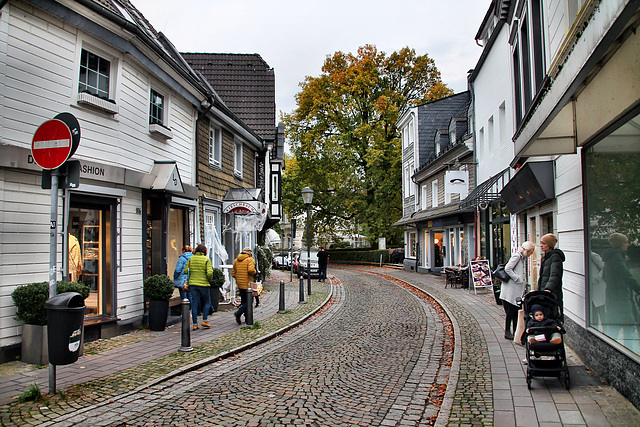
x,y
65,316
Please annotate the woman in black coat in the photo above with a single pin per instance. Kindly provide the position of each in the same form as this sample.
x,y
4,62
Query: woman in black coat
x,y
551,269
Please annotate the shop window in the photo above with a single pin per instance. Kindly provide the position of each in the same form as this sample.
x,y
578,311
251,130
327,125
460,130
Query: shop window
x,y
90,237
411,244
612,187
177,237
546,223
438,249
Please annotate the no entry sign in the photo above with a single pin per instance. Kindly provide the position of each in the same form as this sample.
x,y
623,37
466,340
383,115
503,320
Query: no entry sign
x,y
52,144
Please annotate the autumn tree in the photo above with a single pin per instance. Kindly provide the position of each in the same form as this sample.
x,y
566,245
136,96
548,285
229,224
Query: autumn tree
x,y
344,139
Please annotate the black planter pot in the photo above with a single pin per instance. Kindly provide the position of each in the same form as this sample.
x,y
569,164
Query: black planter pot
x,y
158,313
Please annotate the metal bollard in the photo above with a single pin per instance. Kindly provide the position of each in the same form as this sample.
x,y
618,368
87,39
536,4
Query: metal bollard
x,y
301,300
281,309
186,327
248,315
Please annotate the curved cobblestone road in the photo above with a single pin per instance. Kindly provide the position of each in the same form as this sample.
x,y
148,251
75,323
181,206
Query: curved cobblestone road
x,y
372,357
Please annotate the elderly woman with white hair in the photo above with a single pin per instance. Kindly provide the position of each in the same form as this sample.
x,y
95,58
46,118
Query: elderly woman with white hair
x,y
514,288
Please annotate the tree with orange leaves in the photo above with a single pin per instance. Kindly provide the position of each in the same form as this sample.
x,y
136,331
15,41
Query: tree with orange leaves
x,y
345,142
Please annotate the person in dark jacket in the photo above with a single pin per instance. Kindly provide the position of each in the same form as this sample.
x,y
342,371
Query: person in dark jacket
x,y
323,258
623,290
551,269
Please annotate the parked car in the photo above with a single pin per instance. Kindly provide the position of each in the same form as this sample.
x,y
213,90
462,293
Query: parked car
x,y
302,268
282,261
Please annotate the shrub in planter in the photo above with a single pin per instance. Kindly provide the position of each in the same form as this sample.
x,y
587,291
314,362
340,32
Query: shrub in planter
x,y
217,280
30,299
158,287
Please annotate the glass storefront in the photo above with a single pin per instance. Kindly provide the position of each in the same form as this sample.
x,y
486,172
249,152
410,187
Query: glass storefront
x,y
90,234
612,195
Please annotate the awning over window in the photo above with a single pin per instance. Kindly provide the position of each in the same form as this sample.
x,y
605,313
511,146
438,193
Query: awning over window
x,y
164,176
453,209
488,191
243,201
532,185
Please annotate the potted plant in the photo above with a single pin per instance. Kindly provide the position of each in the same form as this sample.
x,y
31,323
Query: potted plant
x,y
30,308
158,289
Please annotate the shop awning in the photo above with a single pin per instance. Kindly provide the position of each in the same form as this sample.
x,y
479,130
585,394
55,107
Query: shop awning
x,y
488,191
243,201
164,176
434,213
530,186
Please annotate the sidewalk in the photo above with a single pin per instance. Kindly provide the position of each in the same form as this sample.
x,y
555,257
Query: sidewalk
x,y
492,375
155,352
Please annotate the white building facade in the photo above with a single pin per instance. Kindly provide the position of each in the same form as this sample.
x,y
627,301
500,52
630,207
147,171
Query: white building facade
x,y
136,202
572,119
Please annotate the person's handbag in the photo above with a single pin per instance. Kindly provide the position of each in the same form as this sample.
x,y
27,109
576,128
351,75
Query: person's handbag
x,y
501,274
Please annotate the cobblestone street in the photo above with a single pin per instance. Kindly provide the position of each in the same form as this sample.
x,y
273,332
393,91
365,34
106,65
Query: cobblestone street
x,y
359,363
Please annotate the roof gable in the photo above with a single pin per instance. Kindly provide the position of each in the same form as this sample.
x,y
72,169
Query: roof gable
x,y
245,82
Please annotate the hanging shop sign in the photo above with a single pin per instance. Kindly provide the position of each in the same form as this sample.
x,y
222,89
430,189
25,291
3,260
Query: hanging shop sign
x,y
244,207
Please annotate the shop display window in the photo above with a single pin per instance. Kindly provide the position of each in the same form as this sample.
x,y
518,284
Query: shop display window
x,y
612,192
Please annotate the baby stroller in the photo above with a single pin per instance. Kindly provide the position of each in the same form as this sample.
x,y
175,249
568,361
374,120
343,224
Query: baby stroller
x,y
544,359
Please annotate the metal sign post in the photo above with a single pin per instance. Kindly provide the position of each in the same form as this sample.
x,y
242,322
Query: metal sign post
x,y
53,254
53,143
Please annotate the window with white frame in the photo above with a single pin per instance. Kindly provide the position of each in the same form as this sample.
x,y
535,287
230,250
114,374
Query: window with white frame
x,y
412,132
156,108
490,136
434,193
412,189
95,73
215,146
407,180
408,134
423,196
237,158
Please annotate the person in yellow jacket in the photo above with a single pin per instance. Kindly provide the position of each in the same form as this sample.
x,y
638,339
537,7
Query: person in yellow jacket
x,y
199,274
244,271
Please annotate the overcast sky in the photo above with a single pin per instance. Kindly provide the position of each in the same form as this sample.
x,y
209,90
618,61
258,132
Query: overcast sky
x,y
295,36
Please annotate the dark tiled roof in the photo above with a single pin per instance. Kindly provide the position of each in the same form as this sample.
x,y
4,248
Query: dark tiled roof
x,y
436,115
245,82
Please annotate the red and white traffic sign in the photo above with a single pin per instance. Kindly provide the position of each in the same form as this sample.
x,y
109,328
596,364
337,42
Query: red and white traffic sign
x,y
52,144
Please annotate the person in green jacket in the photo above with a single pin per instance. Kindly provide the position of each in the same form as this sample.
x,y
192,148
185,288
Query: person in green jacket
x,y
199,272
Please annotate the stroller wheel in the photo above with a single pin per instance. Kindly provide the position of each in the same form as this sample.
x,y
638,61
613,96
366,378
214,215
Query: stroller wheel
x,y
529,381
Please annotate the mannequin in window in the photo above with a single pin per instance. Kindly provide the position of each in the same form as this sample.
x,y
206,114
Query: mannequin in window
x,y
75,259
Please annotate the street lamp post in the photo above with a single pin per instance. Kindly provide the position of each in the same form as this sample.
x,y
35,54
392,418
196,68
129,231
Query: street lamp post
x,y
307,198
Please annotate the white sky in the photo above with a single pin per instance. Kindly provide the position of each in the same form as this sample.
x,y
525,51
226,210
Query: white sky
x,y
295,36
